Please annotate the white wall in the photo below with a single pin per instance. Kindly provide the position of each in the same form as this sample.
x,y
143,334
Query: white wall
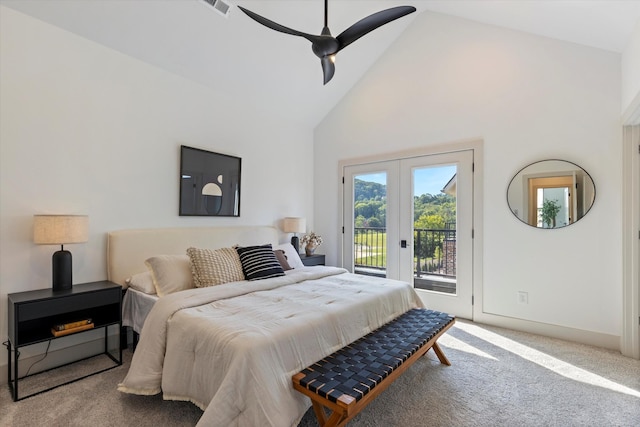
x,y
85,129
631,70
529,98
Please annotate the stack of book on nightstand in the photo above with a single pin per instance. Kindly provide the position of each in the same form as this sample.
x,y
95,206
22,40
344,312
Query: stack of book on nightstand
x,y
70,328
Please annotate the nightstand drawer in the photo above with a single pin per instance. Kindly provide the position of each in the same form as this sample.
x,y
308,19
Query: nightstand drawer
x,y
56,306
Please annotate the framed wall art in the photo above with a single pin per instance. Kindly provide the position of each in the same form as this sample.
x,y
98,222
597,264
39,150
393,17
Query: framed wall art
x,y
209,183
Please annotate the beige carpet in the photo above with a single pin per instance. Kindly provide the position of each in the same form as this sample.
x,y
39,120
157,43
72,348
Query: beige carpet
x,y
497,378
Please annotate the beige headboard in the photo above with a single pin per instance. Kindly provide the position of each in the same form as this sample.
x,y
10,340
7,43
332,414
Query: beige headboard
x,y
127,250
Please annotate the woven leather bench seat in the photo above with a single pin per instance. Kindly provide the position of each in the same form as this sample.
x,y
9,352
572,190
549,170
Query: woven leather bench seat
x,y
347,380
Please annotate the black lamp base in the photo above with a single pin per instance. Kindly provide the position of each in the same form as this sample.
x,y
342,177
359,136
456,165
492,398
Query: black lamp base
x,y
61,270
296,243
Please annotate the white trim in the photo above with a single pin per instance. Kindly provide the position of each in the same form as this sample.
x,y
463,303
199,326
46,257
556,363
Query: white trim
x,y
475,144
630,337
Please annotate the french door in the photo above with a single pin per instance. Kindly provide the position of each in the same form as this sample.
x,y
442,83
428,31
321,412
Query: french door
x,y
411,219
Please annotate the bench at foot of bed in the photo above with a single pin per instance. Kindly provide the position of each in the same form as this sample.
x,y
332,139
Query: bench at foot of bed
x,y
349,379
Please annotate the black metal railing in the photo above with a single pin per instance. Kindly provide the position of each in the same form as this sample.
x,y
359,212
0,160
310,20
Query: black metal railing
x,y
434,251
370,249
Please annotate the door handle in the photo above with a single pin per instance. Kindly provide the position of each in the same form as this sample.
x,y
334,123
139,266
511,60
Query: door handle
x,y
403,243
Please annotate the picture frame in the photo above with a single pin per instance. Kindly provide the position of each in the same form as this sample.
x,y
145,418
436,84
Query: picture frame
x,y
209,183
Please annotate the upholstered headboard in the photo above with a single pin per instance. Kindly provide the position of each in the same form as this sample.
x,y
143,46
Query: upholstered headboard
x,y
127,250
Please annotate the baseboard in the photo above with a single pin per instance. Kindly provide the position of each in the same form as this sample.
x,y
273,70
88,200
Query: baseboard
x,y
596,339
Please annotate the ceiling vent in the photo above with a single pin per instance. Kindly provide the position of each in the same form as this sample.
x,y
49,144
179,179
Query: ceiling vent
x,y
220,6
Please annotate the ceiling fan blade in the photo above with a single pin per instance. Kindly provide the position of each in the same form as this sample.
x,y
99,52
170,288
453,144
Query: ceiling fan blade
x,y
326,46
328,68
275,26
370,23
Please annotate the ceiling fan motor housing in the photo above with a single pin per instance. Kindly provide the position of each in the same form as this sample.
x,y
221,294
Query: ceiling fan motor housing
x,y
325,44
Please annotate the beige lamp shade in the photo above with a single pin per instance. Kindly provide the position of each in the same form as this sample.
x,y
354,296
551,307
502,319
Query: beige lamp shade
x,y
294,225
60,229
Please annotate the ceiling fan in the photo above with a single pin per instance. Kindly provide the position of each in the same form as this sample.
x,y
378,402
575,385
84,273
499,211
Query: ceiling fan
x,y
325,46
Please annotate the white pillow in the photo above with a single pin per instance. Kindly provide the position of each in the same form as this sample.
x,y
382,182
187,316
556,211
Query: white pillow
x,y
293,258
142,282
171,273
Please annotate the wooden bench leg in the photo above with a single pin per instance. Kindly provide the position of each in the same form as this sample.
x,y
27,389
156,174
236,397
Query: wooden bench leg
x,y
335,419
318,409
443,359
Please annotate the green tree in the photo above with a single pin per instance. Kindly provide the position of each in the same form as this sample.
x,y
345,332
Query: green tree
x,y
370,208
359,221
432,222
374,222
365,190
430,211
443,205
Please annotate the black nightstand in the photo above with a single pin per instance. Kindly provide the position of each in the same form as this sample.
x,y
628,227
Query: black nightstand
x,y
315,259
32,314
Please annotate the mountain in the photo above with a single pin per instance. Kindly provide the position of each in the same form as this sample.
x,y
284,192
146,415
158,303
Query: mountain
x,y
365,190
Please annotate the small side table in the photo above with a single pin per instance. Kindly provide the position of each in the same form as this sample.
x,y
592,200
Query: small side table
x,y
32,314
315,259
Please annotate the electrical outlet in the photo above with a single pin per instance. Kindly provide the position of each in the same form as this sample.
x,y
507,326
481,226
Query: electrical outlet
x,y
523,297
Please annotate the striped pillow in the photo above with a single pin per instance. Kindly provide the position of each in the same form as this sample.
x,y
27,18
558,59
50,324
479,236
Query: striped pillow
x,y
259,262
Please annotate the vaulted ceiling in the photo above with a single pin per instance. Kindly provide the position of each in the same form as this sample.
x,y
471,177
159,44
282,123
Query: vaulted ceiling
x,y
238,57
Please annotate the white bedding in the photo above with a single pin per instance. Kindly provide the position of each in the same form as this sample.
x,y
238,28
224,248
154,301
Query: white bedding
x,y
136,306
232,349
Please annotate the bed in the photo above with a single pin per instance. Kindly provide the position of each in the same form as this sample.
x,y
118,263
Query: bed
x,y
232,348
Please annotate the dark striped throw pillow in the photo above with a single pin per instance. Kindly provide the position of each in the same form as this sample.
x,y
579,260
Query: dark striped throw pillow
x,y
259,262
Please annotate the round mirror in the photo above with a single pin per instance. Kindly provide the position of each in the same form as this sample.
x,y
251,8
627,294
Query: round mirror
x,y
551,194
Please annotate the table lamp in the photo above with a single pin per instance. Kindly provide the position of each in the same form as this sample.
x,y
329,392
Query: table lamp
x,y
295,225
61,230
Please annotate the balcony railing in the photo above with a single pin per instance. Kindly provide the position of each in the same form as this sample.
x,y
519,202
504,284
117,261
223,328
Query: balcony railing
x,y
434,251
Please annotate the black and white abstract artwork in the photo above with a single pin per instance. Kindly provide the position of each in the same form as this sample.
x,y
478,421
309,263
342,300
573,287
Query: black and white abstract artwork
x,y
209,183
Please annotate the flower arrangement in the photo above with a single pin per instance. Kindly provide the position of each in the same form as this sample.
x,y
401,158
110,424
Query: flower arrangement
x,y
312,238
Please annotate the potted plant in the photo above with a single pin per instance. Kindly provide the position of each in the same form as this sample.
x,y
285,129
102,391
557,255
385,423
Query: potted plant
x,y
311,242
550,209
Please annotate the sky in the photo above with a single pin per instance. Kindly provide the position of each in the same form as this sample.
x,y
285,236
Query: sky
x,y
426,180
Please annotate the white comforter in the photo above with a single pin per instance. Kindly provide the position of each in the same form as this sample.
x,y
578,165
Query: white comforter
x,y
232,349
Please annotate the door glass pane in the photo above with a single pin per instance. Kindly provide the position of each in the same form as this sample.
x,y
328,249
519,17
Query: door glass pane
x,y
434,228
370,224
